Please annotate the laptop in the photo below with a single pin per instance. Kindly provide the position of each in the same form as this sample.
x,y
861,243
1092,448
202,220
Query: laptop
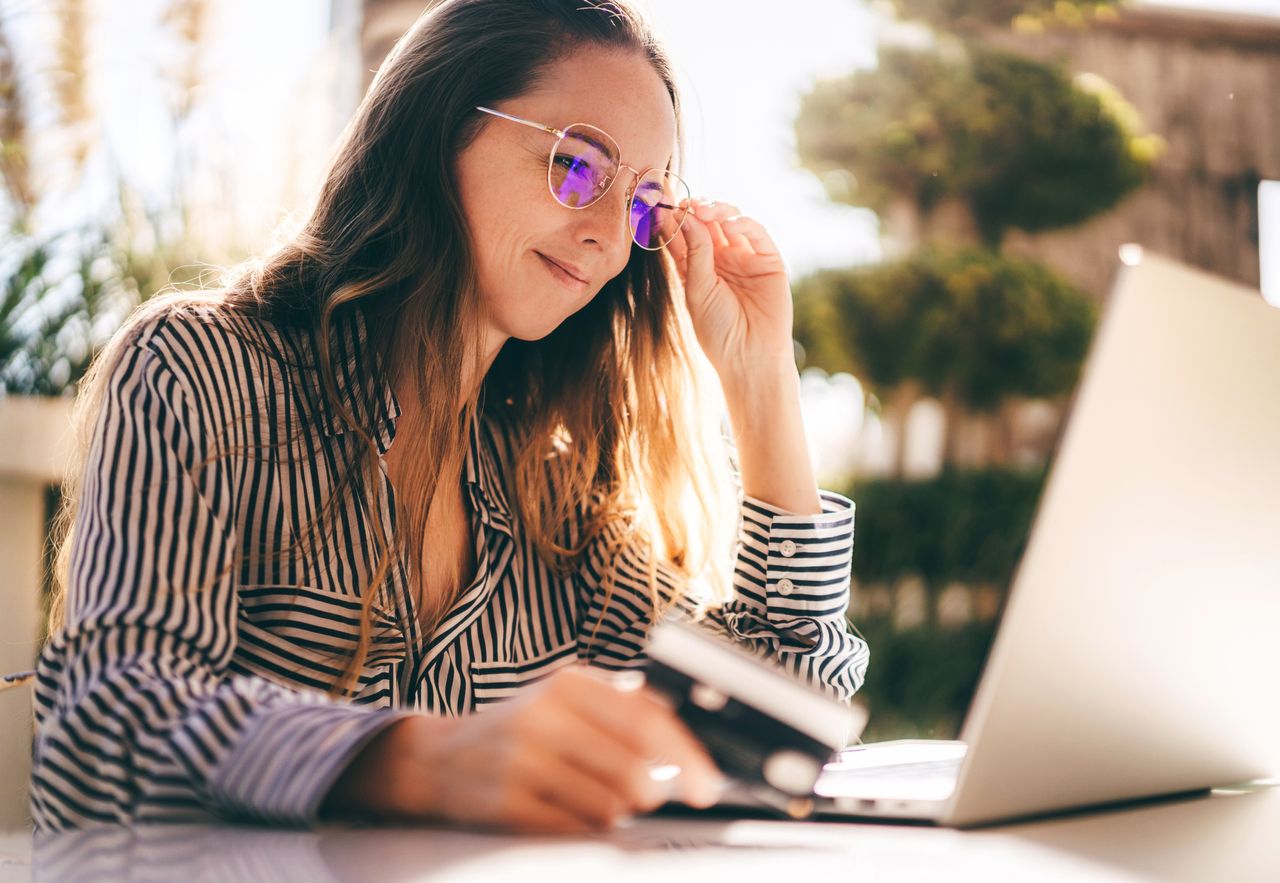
x,y
1138,649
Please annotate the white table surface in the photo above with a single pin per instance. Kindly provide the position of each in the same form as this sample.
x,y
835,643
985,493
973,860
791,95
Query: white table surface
x,y
1229,836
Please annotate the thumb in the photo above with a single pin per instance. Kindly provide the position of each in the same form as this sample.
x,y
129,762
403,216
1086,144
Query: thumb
x,y
699,260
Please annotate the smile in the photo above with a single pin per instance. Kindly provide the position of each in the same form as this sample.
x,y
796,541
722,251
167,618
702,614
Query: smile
x,y
562,274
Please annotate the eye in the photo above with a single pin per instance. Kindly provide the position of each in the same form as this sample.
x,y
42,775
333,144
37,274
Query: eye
x,y
571,163
647,197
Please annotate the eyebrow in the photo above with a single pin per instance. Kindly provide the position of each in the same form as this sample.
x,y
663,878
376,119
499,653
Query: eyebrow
x,y
595,142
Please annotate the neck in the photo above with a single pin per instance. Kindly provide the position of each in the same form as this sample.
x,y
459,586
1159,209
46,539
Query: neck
x,y
405,381
471,378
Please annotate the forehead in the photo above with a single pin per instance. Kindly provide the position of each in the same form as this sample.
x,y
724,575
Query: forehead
x,y
617,91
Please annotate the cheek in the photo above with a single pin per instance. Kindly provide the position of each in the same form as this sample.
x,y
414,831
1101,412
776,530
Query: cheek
x,y
492,207
505,223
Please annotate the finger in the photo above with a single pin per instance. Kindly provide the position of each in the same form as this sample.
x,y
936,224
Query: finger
x,y
713,214
595,696
710,213
735,240
599,753
529,812
648,727
597,750
680,255
700,778
717,234
752,232
584,795
700,252
711,210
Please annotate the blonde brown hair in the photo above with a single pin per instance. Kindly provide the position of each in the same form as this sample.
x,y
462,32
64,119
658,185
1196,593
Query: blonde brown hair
x,y
616,412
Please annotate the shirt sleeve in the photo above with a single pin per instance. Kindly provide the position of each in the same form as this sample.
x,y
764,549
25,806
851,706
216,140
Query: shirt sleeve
x,y
138,716
791,579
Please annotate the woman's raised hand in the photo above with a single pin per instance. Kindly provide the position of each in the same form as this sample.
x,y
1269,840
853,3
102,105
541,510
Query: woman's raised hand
x,y
572,754
736,289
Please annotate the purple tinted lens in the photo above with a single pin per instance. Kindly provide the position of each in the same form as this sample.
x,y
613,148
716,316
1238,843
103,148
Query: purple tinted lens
x,y
573,182
646,224
655,209
582,166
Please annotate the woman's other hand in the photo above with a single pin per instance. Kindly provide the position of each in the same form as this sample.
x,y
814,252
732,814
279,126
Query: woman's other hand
x,y
572,754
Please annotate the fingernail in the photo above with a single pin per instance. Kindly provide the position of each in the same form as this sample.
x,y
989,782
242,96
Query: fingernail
x,y
628,681
717,788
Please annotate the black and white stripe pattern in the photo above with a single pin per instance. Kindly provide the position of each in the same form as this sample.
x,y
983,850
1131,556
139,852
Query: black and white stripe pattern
x,y
189,680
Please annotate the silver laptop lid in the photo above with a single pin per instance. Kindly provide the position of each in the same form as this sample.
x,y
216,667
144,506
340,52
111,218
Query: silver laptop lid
x,y
1138,651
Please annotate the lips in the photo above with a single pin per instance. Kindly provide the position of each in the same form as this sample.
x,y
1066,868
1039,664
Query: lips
x,y
568,268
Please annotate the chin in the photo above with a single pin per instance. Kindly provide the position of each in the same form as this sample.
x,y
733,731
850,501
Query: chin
x,y
537,325
533,330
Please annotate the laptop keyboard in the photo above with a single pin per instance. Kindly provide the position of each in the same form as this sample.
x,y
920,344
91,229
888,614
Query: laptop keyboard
x,y
893,771
929,769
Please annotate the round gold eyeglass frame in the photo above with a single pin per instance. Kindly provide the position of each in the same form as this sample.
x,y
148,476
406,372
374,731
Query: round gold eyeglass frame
x,y
614,154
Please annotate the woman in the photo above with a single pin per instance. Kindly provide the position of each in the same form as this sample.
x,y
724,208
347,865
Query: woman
x,y
448,446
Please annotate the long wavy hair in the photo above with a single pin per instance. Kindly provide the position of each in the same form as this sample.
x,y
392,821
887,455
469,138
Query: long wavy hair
x,y
617,412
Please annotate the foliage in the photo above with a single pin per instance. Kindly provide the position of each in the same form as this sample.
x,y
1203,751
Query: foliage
x,y
977,15
965,323
63,295
969,527
1017,140
45,318
15,172
921,680
960,526
1018,144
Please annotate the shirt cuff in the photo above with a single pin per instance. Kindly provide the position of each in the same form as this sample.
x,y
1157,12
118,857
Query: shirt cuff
x,y
288,757
807,557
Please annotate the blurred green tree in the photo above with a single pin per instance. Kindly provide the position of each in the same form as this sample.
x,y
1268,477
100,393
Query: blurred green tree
x,y
1020,143
968,326
977,16
953,145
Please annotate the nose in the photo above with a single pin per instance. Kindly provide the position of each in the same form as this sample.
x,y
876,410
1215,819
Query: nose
x,y
606,222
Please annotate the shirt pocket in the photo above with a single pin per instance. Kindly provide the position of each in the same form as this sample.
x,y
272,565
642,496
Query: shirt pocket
x,y
304,636
493,681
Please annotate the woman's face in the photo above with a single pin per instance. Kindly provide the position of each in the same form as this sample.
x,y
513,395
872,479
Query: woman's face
x,y
517,228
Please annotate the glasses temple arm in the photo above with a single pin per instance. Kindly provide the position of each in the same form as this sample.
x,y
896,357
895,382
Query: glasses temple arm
x,y
530,123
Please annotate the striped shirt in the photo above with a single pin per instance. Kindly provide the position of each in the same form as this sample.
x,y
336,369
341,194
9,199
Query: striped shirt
x,y
189,680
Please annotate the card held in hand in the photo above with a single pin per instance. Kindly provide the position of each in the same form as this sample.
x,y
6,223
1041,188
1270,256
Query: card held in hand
x,y
763,726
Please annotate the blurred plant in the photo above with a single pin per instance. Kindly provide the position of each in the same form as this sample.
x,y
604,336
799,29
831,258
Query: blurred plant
x,y
14,160
974,16
966,527
953,145
71,80
968,326
63,293
1018,141
188,22
922,678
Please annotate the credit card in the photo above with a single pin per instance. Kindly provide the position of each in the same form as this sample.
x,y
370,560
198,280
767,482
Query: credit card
x,y
763,726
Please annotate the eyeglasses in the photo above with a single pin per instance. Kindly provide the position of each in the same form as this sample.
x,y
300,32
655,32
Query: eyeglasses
x,y
583,165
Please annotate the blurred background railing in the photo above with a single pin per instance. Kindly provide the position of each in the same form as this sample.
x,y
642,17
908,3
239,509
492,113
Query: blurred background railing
x,y
950,180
